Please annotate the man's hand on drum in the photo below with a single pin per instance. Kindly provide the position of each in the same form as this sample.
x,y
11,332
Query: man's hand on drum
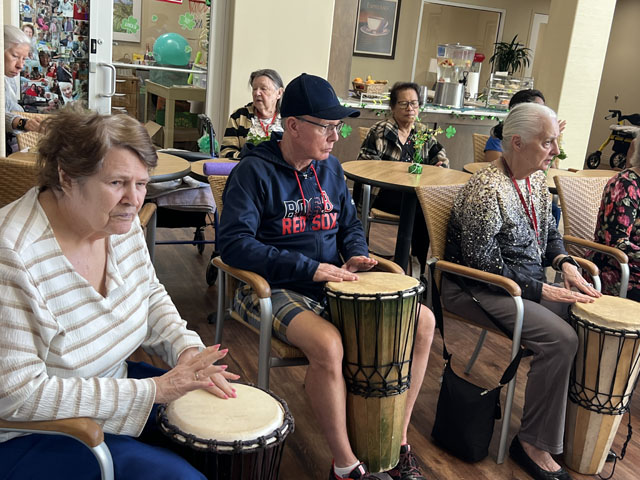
x,y
572,278
196,370
360,263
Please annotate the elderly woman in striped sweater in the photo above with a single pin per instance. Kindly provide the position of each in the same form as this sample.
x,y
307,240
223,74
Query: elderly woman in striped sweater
x,y
80,295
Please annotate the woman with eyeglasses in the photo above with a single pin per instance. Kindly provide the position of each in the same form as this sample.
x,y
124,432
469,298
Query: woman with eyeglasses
x,y
394,139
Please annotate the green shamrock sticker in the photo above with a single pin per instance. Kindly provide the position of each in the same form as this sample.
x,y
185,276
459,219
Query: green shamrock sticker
x,y
450,131
188,49
187,21
130,24
346,130
154,18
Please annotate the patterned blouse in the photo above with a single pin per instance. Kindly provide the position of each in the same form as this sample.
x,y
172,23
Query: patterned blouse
x,y
490,230
619,226
383,143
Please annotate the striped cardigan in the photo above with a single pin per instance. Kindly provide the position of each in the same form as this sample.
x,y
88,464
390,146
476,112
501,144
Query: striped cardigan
x,y
63,345
241,123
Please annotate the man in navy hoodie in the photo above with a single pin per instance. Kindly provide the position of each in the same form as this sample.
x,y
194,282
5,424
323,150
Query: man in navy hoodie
x,y
289,217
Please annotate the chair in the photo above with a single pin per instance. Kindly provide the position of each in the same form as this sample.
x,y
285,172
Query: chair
x,y
580,199
436,202
83,430
286,355
374,215
29,140
479,142
16,178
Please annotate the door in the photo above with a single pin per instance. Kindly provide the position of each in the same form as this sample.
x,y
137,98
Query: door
x,y
102,74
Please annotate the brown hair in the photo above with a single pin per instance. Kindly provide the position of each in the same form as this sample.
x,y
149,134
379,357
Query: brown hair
x,y
77,140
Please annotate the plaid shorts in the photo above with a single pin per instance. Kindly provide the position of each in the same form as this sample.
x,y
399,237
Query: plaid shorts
x,y
285,304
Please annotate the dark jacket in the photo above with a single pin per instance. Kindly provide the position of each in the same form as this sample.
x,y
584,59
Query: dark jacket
x,y
277,223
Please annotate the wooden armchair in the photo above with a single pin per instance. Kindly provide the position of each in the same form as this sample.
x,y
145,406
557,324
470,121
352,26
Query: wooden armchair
x,y
479,142
436,202
83,430
28,140
580,199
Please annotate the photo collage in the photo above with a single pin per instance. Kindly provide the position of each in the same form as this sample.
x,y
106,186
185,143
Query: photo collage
x,y
57,71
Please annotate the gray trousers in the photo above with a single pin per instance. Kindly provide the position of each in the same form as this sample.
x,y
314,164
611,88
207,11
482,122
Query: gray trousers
x,y
554,344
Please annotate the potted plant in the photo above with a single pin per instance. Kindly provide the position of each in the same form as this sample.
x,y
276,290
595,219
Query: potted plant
x,y
510,56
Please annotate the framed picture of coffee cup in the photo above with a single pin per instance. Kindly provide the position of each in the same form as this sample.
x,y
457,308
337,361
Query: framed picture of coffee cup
x,y
376,28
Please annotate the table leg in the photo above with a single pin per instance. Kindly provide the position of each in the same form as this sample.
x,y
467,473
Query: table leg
x,y
151,235
405,229
366,201
169,122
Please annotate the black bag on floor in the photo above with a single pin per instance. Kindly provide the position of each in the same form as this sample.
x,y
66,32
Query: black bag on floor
x,y
466,413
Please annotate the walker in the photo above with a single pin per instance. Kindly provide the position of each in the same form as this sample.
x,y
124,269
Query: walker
x,y
622,136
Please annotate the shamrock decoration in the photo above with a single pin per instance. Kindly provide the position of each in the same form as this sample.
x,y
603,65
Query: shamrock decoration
x,y
415,168
154,18
130,24
346,130
187,21
450,131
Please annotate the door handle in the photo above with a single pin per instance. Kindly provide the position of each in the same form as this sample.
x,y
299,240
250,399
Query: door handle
x,y
113,79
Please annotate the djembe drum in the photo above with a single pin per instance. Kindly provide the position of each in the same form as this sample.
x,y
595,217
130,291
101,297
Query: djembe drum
x,y
602,379
235,439
377,318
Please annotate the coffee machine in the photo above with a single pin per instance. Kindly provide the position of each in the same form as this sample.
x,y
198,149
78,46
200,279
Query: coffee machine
x,y
454,63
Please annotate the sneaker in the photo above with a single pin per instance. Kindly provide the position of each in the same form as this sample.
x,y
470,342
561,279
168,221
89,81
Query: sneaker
x,y
407,468
360,472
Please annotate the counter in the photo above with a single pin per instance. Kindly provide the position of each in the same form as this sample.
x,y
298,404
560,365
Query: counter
x,y
459,148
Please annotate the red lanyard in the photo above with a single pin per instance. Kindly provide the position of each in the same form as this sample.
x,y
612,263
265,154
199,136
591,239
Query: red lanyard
x,y
530,214
265,129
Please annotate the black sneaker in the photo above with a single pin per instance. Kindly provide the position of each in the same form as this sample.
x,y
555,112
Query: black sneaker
x,y
360,472
407,468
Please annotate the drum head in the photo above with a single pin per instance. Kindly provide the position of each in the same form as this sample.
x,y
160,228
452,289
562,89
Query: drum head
x,y
254,413
372,283
611,312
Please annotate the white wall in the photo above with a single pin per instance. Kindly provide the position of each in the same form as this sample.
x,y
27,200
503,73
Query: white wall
x,y
290,36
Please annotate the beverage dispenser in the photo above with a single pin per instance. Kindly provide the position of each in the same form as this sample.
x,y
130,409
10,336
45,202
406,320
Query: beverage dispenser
x,y
454,63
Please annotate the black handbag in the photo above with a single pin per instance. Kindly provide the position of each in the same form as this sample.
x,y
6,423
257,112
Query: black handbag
x,y
466,413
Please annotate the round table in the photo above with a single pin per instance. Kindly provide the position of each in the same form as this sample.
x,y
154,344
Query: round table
x,y
597,173
395,176
169,167
551,172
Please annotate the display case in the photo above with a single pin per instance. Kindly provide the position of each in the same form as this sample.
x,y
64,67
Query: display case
x,y
502,87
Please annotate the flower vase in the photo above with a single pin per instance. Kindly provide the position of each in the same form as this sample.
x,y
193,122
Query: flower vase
x,y
415,168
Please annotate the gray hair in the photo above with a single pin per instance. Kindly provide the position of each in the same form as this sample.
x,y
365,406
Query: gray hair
x,y
524,120
634,159
271,75
14,36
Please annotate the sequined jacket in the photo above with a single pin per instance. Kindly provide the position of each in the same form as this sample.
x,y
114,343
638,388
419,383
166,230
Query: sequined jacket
x,y
489,230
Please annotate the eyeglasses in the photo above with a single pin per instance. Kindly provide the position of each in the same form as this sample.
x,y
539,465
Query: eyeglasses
x,y
406,105
327,129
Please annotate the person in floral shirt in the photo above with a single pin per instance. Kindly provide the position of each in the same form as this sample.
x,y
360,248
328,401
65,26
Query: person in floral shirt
x,y
619,226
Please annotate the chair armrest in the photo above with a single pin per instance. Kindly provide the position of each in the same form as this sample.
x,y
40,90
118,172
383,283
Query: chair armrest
x,y
588,266
258,284
146,212
83,429
385,265
618,254
505,283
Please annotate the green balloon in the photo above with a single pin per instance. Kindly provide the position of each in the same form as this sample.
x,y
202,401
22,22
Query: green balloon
x,y
171,49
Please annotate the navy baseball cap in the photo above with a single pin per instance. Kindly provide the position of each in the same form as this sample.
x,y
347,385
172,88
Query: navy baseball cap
x,y
311,95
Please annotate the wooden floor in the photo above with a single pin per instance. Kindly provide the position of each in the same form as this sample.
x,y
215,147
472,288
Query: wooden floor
x,y
306,456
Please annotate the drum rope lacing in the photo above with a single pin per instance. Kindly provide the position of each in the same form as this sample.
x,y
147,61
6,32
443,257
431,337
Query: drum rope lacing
x,y
376,379
599,399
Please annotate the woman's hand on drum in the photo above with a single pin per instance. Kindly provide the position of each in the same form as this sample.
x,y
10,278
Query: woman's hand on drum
x,y
572,278
360,263
196,370
564,295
